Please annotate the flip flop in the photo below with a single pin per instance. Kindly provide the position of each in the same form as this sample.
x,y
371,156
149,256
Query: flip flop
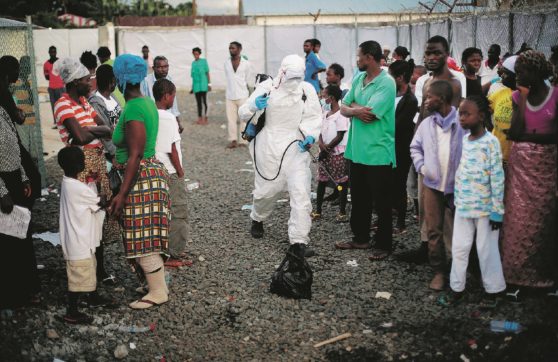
x,y
379,254
176,263
79,318
150,304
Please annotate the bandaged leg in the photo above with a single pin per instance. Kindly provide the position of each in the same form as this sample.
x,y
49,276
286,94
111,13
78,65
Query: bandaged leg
x,y
154,271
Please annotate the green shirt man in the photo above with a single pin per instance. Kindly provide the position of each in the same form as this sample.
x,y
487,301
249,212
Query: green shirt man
x,y
373,143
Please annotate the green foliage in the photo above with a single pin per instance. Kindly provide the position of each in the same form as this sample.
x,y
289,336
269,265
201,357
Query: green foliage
x,y
45,12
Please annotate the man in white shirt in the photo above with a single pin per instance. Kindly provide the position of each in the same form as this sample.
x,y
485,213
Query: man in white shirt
x,y
160,71
238,72
168,151
489,68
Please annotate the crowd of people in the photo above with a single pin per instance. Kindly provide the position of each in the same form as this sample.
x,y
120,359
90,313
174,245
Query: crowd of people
x,y
473,148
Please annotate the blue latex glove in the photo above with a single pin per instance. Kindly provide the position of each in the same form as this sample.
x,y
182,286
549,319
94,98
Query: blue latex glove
x,y
306,144
261,102
495,80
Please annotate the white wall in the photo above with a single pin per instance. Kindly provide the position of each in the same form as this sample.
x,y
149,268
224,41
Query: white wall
x,y
176,44
68,42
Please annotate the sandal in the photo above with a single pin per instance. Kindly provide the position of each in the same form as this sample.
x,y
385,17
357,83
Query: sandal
x,y
450,299
489,301
315,215
379,254
78,318
150,303
341,217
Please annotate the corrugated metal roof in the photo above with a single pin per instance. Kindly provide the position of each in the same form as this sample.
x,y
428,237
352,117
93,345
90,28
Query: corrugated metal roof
x,y
9,23
303,7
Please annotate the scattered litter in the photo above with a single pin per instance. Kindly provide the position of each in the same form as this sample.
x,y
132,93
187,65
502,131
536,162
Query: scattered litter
x,y
40,266
134,329
52,334
313,195
508,338
475,314
348,198
57,360
219,102
248,162
246,339
44,192
505,327
245,170
186,179
121,352
349,349
201,258
54,191
246,207
553,294
472,344
386,325
132,345
367,331
384,295
464,358
354,264
193,186
223,126
333,340
231,298
6,314
53,238
42,199
281,201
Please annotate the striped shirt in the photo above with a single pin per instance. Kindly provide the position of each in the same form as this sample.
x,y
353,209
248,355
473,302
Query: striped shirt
x,y
66,108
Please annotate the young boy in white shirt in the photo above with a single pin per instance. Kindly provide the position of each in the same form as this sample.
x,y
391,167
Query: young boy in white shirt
x,y
168,151
81,228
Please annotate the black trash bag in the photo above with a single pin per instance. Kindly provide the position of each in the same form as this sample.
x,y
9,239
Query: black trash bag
x,y
293,278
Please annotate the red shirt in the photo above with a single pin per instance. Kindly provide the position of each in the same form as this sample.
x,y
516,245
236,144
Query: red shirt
x,y
66,108
54,81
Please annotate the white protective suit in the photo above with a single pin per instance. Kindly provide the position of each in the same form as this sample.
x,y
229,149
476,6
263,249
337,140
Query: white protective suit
x,y
287,115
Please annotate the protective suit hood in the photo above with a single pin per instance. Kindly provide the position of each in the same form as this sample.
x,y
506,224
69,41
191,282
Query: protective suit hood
x,y
291,72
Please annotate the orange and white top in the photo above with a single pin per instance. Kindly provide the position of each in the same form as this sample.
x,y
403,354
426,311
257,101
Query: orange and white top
x,y
84,113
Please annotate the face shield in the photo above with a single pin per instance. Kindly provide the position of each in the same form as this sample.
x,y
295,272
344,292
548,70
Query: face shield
x,y
291,71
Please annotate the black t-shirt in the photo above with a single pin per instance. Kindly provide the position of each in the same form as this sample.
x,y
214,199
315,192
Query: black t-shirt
x,y
474,87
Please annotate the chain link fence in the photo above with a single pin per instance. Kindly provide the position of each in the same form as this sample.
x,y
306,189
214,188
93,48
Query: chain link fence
x,y
512,27
16,39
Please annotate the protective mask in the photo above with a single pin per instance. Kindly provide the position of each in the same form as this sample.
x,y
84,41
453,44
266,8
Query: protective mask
x,y
326,107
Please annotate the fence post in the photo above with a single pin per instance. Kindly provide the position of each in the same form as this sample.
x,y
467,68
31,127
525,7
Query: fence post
x,y
205,39
265,45
543,23
356,32
450,36
35,132
475,21
397,30
510,32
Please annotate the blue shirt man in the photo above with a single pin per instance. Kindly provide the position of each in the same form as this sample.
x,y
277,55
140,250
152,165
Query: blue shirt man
x,y
313,65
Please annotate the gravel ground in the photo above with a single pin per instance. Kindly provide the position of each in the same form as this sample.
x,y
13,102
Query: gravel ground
x,y
220,308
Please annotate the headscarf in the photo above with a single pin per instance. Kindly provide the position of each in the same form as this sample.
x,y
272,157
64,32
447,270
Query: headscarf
x,y
129,69
452,64
536,61
509,63
69,69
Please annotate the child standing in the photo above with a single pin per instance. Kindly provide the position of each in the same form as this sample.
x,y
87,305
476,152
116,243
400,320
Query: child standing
x,y
479,206
168,152
436,151
81,226
332,142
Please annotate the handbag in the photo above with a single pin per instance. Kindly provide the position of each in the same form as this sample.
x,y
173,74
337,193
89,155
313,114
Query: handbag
x,y
115,180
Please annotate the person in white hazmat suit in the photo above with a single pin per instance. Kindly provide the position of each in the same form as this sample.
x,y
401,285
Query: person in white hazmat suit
x,y
279,152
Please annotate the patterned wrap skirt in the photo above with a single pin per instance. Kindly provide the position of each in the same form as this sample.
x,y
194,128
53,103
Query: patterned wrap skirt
x,y
146,216
96,171
336,165
529,230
